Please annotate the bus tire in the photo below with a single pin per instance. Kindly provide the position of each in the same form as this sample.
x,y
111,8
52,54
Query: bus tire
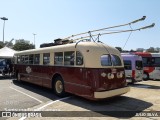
x,y
59,87
145,76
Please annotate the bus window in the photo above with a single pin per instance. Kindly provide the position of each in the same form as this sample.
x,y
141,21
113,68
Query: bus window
x,y
22,59
69,58
79,58
58,58
127,65
18,59
147,61
37,59
2,62
157,62
46,58
31,59
139,65
26,59
116,60
106,60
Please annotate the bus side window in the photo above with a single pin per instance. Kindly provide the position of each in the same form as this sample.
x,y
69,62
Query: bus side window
x,y
58,58
46,58
26,59
22,59
157,61
36,59
18,60
69,58
31,59
79,58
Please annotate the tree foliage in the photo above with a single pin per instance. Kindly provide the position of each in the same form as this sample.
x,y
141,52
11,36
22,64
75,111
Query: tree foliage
x,y
1,44
23,46
152,50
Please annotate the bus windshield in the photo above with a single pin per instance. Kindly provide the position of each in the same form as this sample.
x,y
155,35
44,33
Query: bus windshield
x,y
107,60
127,65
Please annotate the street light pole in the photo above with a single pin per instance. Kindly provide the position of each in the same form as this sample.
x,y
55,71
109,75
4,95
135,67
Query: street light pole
x,y
34,39
4,18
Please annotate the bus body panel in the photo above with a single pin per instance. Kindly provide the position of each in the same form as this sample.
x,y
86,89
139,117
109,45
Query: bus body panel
x,y
89,80
133,73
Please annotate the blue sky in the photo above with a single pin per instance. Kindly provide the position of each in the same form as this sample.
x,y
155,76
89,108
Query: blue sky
x,y
51,19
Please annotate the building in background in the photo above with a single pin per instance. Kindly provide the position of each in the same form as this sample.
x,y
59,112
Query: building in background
x,y
22,40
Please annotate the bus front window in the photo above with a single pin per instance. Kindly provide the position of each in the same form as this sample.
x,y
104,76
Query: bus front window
x,y
127,65
116,60
106,60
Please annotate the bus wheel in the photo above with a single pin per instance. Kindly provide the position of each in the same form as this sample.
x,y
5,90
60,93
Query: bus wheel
x,y
18,77
145,76
59,87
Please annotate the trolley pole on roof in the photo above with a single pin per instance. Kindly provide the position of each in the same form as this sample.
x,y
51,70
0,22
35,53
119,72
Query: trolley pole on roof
x,y
3,18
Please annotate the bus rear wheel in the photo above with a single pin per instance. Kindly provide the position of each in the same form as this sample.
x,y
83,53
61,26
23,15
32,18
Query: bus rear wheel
x,y
59,87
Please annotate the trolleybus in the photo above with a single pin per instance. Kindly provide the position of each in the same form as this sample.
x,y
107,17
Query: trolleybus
x,y
89,69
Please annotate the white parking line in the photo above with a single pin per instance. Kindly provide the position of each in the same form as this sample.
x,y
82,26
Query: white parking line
x,y
26,94
40,108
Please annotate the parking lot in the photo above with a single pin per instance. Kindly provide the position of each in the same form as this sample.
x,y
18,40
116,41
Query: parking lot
x,y
16,96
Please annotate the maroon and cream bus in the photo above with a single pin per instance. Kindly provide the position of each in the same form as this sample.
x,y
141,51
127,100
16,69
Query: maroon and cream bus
x,y
88,69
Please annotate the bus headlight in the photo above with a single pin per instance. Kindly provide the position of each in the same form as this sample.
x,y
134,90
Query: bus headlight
x,y
119,74
110,76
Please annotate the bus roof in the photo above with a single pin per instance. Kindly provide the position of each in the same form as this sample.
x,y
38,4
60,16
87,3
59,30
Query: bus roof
x,y
91,51
131,57
72,46
148,54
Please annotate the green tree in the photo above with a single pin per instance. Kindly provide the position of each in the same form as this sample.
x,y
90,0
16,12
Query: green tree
x,y
1,44
23,46
152,50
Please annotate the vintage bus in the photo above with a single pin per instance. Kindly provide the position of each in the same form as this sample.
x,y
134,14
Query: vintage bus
x,y
151,64
89,69
133,67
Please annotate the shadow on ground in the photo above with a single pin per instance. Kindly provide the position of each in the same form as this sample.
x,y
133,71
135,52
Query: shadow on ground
x,y
146,86
120,106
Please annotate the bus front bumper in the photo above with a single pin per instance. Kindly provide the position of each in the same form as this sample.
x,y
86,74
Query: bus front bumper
x,y
111,93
